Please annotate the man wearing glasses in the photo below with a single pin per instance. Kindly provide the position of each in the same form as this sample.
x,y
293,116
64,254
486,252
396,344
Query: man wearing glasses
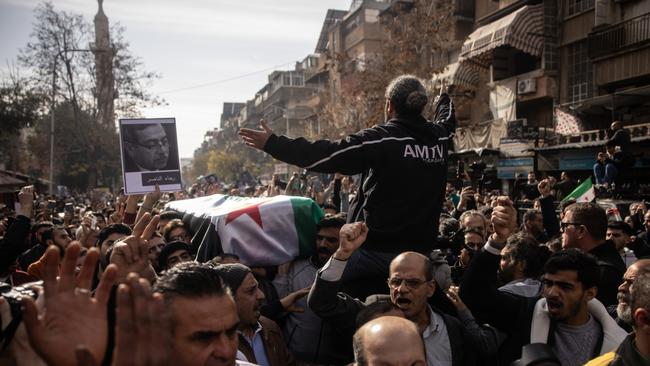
x,y
411,283
146,147
566,316
584,227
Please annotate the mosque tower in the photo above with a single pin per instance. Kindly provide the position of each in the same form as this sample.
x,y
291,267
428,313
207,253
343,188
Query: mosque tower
x,y
104,69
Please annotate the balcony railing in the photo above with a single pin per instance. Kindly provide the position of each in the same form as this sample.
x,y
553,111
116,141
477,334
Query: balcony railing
x,y
619,37
639,130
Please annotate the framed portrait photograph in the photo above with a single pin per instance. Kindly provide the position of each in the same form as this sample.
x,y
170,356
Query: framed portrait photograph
x,y
149,155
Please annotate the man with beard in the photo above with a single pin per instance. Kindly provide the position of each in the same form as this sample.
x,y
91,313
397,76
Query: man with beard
x,y
635,349
567,317
411,282
521,265
260,339
623,310
534,225
310,338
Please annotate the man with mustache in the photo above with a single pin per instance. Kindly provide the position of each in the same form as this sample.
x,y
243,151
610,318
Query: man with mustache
x,y
260,339
411,282
635,349
310,338
567,317
623,310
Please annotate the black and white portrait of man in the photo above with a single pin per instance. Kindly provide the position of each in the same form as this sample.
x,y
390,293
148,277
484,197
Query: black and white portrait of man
x,y
147,147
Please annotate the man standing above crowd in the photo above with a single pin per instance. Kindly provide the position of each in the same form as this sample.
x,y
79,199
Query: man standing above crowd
x,y
310,338
407,148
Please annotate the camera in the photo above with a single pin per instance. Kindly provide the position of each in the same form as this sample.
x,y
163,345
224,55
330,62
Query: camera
x,y
14,296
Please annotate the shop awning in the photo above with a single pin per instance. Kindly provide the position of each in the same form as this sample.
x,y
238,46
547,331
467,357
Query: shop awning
x,y
522,29
457,74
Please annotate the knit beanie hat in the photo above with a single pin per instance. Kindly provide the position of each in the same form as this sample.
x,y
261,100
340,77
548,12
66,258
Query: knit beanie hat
x,y
169,249
233,275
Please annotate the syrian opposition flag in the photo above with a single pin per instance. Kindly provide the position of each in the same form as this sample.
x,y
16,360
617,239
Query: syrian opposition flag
x,y
261,231
583,193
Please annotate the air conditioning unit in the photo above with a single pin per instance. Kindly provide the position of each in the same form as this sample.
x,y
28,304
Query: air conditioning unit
x,y
526,86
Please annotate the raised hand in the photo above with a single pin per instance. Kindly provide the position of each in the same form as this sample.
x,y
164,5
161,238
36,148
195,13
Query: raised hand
x,y
26,199
143,332
117,217
351,236
504,220
71,316
289,302
256,138
131,253
452,294
544,188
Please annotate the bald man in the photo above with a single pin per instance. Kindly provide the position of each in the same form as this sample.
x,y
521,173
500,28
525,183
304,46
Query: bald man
x,y
390,341
623,310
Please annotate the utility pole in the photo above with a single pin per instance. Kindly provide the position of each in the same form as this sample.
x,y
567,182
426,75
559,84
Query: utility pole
x,y
53,104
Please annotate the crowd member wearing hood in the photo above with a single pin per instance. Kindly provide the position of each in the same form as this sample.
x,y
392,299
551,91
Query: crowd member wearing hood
x,y
407,148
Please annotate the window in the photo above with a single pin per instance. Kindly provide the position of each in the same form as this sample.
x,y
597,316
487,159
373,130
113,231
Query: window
x,y
298,79
286,79
580,72
578,6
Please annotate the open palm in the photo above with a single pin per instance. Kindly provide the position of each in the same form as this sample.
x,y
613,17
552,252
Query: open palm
x,y
71,315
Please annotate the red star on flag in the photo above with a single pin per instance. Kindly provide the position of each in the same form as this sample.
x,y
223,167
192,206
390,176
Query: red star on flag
x,y
252,210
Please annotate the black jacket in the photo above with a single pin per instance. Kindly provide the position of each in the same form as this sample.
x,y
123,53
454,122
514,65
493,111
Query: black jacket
x,y
340,310
13,242
404,167
509,313
612,269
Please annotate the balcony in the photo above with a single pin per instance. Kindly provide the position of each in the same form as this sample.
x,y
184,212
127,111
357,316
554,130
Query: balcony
x,y
624,36
597,137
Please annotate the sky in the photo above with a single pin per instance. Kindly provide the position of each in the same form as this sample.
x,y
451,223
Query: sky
x,y
191,43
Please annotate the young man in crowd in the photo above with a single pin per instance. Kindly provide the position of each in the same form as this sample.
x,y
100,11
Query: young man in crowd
x,y
534,225
567,317
521,265
618,232
310,338
174,253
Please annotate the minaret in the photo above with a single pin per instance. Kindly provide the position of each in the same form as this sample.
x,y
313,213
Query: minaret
x,y
104,69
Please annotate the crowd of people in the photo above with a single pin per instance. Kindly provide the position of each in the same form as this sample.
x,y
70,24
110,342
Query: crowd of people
x,y
405,270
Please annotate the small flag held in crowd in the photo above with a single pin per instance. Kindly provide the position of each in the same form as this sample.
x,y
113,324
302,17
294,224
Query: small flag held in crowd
x,y
585,192
262,231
